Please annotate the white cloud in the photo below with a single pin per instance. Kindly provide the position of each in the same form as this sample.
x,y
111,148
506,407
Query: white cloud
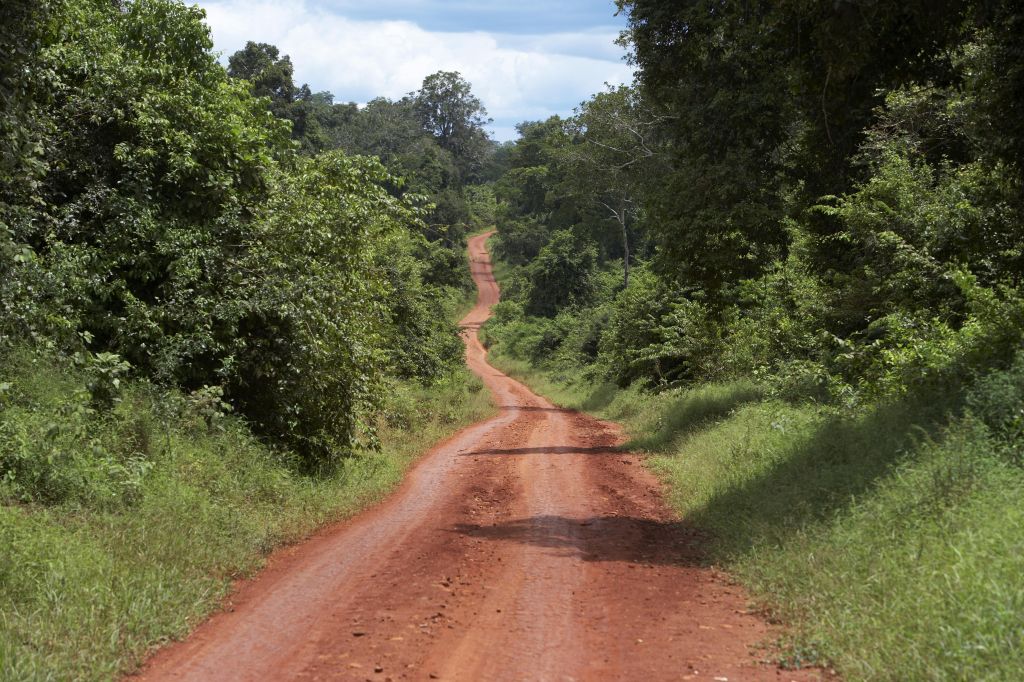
x,y
518,78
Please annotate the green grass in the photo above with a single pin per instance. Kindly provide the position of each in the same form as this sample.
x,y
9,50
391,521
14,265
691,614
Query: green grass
x,y
121,531
888,539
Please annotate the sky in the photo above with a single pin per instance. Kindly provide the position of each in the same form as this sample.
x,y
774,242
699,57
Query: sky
x,y
526,59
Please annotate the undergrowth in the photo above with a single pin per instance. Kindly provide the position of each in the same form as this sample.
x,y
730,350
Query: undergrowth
x,y
885,536
122,527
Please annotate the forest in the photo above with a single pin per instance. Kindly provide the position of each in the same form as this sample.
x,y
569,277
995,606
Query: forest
x,y
225,303
788,257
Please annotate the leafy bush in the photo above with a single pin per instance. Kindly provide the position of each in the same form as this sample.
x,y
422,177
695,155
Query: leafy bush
x,y
654,333
310,355
55,442
520,241
561,276
997,399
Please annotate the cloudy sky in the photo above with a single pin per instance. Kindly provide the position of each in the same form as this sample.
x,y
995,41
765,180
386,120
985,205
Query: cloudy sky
x,y
526,59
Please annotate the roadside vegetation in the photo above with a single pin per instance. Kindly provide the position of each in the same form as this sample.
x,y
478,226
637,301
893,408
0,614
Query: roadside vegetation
x,y
789,258
886,540
141,517
793,272
227,316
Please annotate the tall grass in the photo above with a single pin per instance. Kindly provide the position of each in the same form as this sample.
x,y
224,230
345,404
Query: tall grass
x,y
120,530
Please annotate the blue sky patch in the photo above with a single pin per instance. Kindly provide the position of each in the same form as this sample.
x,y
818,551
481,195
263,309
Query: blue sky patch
x,y
526,60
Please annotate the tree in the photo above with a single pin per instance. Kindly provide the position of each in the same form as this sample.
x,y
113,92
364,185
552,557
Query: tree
x,y
562,275
153,163
314,344
770,101
613,156
450,112
23,28
531,207
270,74
717,213
316,119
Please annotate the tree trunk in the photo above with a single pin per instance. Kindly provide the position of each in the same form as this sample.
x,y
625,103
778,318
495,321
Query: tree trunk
x,y
625,248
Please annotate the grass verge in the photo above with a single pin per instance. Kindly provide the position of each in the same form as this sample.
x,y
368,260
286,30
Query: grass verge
x,y
887,538
141,517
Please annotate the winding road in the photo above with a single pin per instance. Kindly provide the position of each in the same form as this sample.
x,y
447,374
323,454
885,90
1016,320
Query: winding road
x,y
526,547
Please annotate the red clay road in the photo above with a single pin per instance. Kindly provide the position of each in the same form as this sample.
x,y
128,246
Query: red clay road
x,y
526,547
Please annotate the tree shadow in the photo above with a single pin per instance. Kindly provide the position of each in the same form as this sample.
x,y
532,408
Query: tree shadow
x,y
839,461
552,450
600,538
694,410
526,408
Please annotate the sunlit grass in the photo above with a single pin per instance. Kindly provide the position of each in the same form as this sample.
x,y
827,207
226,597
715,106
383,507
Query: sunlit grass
x,y
86,589
886,539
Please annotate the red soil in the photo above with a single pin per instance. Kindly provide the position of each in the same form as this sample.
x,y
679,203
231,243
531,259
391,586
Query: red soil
x,y
526,547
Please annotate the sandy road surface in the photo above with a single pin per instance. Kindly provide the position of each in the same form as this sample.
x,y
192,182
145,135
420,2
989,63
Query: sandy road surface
x,y
526,547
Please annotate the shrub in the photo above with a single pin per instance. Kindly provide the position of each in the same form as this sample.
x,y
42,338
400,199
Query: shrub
x,y
310,356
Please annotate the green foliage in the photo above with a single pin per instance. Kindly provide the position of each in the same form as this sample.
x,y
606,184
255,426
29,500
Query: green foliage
x,y
310,357
998,401
532,204
24,29
153,162
482,205
520,241
267,71
154,507
654,332
422,338
717,214
448,110
614,156
164,228
561,275
56,446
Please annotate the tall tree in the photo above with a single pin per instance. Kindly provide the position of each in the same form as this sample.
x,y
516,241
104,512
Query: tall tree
x,y
613,157
23,25
270,74
449,110
718,215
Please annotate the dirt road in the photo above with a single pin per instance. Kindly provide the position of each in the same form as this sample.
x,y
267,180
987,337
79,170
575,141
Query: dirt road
x,y
527,547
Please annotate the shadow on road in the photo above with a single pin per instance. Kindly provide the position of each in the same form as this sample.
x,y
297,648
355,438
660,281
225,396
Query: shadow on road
x,y
600,538
554,450
524,408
